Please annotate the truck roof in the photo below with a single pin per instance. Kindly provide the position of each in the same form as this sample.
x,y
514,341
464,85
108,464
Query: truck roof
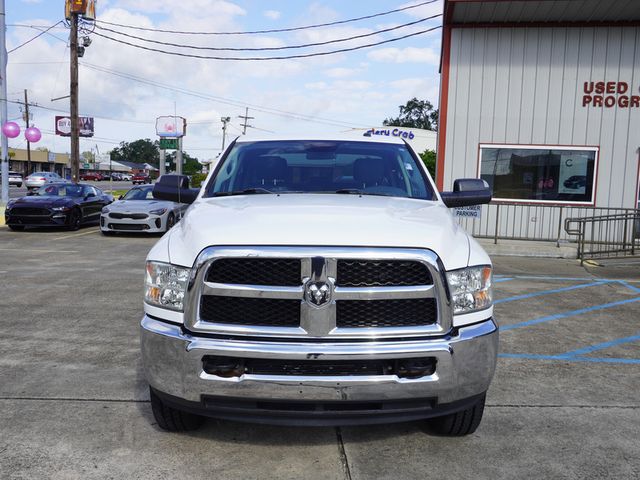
x,y
353,137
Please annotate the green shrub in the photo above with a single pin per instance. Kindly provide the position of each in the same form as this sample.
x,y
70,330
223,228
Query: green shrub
x,y
197,179
429,159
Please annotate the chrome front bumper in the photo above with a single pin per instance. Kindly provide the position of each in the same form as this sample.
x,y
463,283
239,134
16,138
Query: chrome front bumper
x,y
465,366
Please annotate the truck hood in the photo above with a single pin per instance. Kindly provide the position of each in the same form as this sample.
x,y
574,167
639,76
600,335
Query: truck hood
x,y
318,219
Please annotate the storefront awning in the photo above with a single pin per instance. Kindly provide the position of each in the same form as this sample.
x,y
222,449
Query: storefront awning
x,y
460,12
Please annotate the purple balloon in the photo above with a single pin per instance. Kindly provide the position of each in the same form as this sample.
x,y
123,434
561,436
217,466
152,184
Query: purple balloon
x,y
32,134
11,129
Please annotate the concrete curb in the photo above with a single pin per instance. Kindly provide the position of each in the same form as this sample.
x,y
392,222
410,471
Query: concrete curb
x,y
528,248
1,215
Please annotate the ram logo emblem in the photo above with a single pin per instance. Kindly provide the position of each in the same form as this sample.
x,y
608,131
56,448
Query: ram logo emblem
x,y
317,294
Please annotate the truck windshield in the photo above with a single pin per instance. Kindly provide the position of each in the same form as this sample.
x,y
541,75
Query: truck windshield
x,y
343,167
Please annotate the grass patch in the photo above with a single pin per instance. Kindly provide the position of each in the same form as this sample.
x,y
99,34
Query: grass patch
x,y
116,193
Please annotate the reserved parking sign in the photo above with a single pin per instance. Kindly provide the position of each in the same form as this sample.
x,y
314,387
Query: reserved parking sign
x,y
472,211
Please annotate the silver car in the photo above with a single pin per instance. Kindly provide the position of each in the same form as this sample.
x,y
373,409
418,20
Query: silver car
x,y
138,211
38,179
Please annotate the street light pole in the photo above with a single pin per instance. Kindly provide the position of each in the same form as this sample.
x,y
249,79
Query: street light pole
x,y
73,91
4,143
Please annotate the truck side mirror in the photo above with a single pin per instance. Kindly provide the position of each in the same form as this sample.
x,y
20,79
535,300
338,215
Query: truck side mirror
x,y
467,192
175,188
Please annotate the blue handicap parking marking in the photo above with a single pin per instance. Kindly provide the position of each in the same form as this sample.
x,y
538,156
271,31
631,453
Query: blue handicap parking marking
x,y
577,355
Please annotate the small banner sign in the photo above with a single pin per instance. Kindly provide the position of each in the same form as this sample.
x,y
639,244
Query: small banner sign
x,y
85,124
472,211
168,144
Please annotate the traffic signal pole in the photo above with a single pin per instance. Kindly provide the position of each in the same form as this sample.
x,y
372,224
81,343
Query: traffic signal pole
x,y
73,92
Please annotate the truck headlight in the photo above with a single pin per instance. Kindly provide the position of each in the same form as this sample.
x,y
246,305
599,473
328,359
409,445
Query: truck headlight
x,y
470,289
165,285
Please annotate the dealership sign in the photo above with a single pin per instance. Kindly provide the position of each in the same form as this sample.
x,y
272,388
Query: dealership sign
x,y
85,124
171,127
388,132
608,95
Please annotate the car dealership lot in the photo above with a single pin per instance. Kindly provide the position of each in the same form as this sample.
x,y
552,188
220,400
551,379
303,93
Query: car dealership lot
x,y
74,404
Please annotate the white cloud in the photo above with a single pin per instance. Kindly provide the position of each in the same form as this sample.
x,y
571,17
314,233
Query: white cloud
x,y
405,55
341,72
272,14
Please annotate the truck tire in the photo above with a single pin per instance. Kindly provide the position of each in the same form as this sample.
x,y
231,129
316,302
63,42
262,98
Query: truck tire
x,y
458,424
173,420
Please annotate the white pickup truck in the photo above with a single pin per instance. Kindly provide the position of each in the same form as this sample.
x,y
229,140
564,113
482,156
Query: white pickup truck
x,y
319,281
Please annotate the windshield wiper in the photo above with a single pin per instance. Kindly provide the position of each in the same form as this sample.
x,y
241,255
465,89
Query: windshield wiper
x,y
355,191
248,191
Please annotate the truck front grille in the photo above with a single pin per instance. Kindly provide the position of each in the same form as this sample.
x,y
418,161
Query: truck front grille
x,y
386,313
268,312
321,292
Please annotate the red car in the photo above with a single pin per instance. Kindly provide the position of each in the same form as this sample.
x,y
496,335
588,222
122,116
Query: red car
x,y
93,176
140,178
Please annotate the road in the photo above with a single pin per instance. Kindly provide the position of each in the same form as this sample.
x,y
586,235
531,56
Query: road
x,y
74,403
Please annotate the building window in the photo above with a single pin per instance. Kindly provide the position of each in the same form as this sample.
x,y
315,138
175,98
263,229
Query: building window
x,y
540,173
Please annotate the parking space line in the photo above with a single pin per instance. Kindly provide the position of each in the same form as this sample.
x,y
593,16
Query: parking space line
x,y
82,234
549,292
629,286
564,358
602,346
571,313
501,279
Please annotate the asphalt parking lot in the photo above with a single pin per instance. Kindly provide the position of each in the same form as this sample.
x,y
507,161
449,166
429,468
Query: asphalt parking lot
x,y
74,404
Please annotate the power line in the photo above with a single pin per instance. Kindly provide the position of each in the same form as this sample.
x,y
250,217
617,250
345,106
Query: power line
x,y
265,49
235,103
279,30
287,57
57,110
33,38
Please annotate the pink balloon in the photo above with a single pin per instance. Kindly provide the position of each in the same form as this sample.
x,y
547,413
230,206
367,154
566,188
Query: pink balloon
x,y
11,129
32,134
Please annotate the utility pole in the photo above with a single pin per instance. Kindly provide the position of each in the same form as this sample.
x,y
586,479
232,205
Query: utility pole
x,y
4,143
179,157
73,91
26,121
246,119
224,121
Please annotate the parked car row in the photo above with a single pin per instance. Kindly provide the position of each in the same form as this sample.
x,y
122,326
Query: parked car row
x,y
70,205
99,177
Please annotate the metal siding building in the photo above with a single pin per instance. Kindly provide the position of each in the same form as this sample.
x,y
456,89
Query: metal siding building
x,y
517,73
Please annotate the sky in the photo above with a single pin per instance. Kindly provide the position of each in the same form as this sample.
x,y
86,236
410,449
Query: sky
x,y
127,88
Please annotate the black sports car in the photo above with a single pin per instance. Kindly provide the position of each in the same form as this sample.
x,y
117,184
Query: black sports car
x,y
57,205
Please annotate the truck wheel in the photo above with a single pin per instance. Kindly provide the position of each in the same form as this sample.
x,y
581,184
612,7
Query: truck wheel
x,y
173,420
459,423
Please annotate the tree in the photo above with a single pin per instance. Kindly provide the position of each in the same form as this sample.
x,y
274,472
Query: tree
x,y
190,164
415,114
429,159
139,151
88,157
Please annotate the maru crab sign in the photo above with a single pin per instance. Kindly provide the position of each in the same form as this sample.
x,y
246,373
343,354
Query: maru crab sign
x,y
609,95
